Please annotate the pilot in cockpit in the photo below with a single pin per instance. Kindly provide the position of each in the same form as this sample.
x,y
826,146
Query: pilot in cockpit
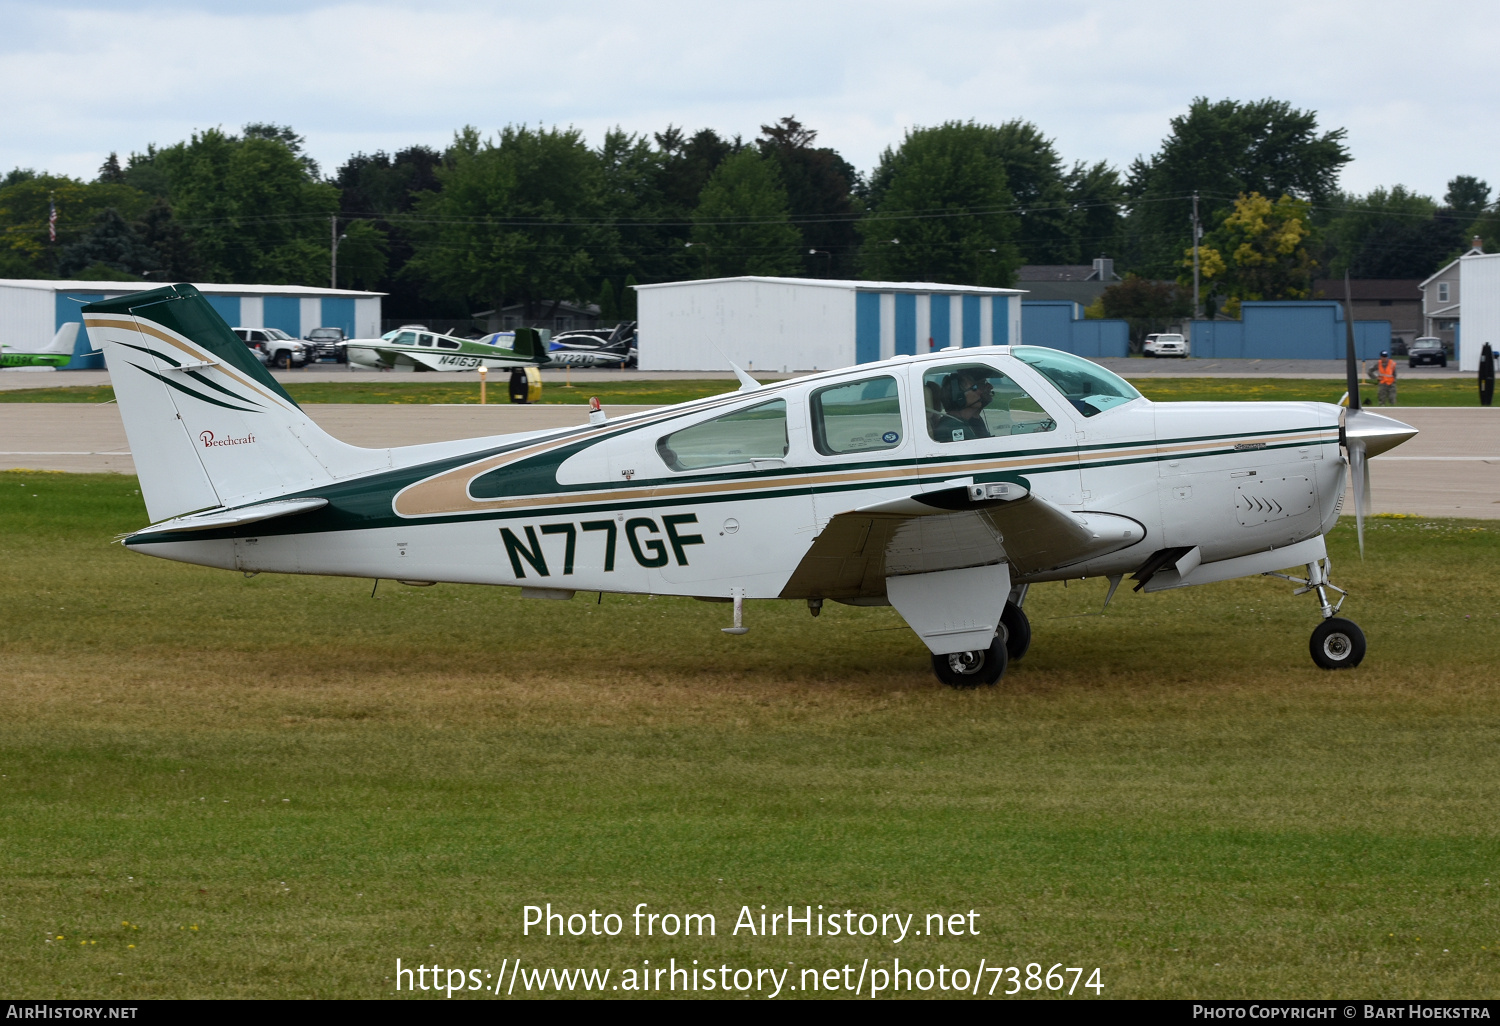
x,y
965,394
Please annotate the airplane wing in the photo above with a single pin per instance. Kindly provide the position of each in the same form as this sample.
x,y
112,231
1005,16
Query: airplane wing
x,y
953,528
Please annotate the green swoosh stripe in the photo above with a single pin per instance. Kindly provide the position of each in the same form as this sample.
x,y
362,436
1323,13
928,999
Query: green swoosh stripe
x,y
188,391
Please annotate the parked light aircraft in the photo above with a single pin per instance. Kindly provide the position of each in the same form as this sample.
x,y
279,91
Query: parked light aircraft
x,y
57,353
430,351
944,485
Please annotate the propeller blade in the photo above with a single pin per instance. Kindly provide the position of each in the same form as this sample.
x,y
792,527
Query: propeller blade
x,y
1359,480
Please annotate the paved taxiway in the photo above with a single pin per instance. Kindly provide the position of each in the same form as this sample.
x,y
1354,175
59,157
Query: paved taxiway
x,y
1451,469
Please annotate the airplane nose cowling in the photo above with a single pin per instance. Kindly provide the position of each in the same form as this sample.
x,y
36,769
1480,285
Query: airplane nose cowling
x,y
1377,433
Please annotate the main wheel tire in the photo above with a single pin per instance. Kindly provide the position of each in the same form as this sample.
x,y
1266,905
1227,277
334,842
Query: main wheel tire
x,y
1337,644
1017,631
980,668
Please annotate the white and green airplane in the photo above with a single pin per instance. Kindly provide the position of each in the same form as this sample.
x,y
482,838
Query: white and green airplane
x,y
943,485
55,354
430,351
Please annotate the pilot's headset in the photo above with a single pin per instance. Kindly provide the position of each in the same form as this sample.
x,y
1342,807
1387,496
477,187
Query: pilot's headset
x,y
953,392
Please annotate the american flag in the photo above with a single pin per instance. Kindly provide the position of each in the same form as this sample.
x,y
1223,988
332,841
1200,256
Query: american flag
x,y
52,221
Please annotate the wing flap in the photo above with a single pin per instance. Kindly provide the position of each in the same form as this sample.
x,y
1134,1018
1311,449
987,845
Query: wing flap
x,y
857,550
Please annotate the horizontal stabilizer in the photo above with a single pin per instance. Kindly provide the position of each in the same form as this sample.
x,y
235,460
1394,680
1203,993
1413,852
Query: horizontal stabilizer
x,y
234,517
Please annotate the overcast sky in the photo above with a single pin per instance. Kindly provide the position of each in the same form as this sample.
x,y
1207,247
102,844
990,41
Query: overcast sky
x,y
1414,86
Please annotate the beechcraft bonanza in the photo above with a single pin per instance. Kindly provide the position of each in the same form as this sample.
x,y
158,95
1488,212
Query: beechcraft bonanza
x,y
943,485
429,351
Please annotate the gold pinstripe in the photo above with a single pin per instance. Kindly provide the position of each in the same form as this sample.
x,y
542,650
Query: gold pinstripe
x,y
182,344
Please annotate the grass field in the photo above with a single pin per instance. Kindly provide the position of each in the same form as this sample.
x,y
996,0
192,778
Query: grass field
x,y
1170,792
1433,392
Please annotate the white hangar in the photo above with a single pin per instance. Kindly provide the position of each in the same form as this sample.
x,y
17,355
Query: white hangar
x,y
31,310
792,324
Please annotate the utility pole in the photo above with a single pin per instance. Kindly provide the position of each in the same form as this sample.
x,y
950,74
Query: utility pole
x,y
1197,234
333,266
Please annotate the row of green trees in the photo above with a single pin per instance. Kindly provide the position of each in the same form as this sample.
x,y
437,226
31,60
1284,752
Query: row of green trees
x,y
536,215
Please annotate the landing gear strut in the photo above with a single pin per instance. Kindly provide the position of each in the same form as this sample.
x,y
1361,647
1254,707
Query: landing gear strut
x,y
1336,644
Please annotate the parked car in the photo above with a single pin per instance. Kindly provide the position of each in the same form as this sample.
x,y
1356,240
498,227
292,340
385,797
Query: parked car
x,y
1165,344
274,347
1427,350
327,343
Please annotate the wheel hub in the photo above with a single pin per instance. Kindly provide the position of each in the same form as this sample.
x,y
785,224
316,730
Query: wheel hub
x,y
1336,646
966,662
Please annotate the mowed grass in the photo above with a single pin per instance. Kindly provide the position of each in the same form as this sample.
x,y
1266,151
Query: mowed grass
x,y
277,786
465,389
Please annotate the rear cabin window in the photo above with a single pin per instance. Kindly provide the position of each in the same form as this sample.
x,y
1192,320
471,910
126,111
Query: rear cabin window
x,y
424,340
757,433
862,416
974,400
448,343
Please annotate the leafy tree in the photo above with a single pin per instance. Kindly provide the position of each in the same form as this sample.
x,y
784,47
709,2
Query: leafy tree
x,y
742,220
26,204
688,165
142,173
1147,305
362,256
517,219
379,191
609,309
1097,196
176,258
1467,195
1392,233
1260,251
111,243
1224,149
627,299
254,207
650,231
17,175
821,197
941,210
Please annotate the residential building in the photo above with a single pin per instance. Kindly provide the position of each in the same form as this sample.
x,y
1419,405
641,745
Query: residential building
x,y
1073,283
1398,300
1440,300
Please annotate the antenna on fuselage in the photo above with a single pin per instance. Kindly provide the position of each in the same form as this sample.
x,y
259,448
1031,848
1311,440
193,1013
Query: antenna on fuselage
x,y
747,383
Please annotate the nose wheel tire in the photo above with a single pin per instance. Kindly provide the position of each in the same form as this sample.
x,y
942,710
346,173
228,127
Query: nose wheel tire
x,y
979,668
1017,631
1337,644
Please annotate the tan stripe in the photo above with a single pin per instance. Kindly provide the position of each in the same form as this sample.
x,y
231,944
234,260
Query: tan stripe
x,y
147,328
447,493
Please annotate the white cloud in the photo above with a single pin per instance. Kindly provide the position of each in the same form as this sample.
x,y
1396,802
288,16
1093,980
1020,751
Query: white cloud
x,y
1102,78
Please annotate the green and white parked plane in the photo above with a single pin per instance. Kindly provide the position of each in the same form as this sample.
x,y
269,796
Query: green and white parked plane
x,y
430,351
57,353
942,484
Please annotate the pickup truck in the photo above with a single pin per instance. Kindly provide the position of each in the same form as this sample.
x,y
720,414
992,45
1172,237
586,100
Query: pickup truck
x,y
274,347
1166,344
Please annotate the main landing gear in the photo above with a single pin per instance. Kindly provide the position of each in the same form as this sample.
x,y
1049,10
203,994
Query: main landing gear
x,y
1336,643
984,667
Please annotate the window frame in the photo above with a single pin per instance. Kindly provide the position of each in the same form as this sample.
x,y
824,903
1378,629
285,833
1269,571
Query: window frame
x,y
748,461
815,437
1028,382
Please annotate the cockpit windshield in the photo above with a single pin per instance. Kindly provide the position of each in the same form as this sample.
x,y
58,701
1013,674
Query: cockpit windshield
x,y
1089,387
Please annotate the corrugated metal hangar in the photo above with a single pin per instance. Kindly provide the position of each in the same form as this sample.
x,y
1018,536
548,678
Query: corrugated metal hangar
x,y
31,311
792,324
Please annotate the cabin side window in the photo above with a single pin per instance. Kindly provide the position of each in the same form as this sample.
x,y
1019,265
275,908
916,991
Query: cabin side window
x,y
862,416
406,338
448,343
756,433
974,400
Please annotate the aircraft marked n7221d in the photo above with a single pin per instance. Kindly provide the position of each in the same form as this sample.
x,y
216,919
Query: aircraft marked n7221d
x,y
944,485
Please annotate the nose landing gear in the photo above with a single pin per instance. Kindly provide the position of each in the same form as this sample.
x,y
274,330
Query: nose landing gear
x,y
1336,643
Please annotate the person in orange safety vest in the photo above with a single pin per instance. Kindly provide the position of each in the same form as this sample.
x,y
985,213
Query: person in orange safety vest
x,y
1385,376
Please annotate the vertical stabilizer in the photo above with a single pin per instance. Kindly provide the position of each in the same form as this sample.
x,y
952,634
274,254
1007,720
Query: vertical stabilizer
x,y
207,425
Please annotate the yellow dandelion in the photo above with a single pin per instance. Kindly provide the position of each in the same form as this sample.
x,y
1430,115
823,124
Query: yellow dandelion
x,y
195,926
130,945
61,937
125,922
